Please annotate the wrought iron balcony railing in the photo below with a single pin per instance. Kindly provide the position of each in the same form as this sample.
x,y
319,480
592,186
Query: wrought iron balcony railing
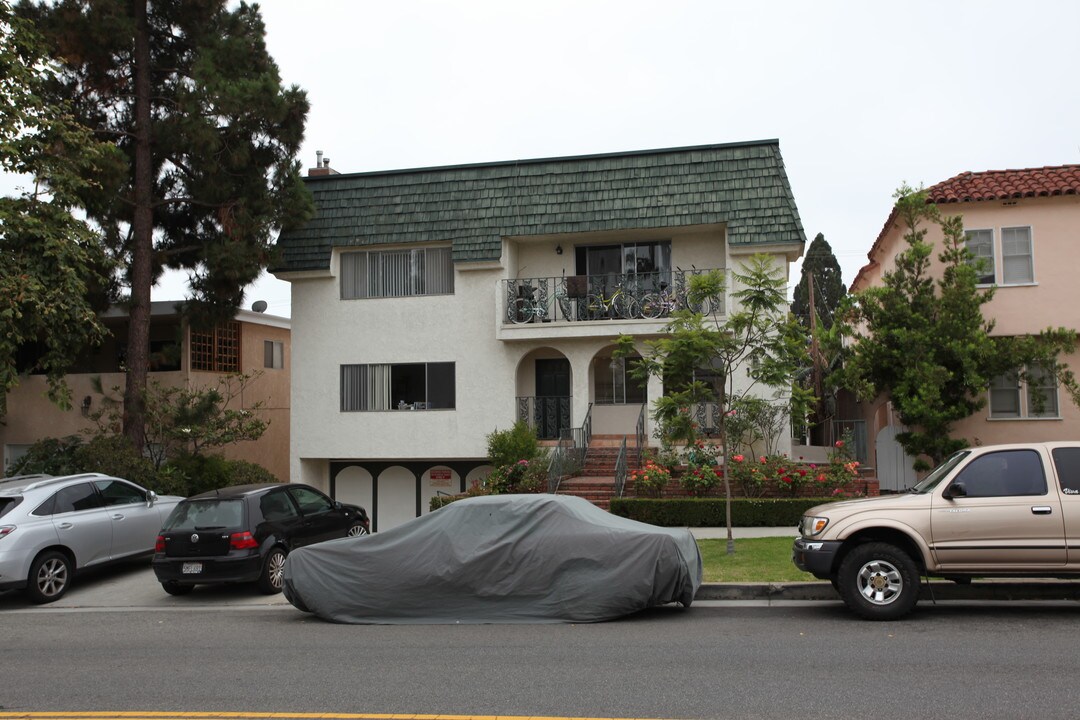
x,y
647,296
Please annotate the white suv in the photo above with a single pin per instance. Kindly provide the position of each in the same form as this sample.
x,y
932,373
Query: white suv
x,y
52,527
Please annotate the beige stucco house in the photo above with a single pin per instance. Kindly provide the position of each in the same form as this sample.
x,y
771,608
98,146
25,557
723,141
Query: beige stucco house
x,y
433,306
252,342
1023,225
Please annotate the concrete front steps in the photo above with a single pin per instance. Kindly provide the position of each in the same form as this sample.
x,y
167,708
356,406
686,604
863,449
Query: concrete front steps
x,y
597,480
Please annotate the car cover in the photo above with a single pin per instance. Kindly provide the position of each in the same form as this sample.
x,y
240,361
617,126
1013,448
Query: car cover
x,y
498,559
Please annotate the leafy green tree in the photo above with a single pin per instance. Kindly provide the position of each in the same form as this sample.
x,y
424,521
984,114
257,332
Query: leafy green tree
x,y
759,341
52,266
189,94
926,343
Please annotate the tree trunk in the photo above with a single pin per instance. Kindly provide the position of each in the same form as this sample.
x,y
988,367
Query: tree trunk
x,y
141,275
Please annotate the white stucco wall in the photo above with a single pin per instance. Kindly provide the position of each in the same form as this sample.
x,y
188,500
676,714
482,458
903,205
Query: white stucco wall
x,y
491,369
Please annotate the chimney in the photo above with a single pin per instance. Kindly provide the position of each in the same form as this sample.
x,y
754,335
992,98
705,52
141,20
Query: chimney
x,y
322,166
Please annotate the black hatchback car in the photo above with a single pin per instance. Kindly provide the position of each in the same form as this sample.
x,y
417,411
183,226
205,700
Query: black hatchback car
x,y
243,533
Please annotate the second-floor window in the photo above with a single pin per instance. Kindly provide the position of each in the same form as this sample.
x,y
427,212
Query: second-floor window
x,y
273,354
397,386
217,350
397,273
1011,397
1010,264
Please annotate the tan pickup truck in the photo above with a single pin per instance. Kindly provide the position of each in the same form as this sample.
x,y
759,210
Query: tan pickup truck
x,y
993,511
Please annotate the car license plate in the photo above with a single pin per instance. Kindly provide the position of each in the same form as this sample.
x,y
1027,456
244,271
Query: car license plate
x,y
191,568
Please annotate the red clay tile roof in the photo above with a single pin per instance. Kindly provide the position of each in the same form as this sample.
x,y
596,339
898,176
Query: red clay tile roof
x,y
1007,184
989,185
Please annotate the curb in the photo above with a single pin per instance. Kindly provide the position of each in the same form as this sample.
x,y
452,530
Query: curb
x,y
935,590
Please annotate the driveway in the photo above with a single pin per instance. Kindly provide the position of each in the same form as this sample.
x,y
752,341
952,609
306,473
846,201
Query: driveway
x,y
132,584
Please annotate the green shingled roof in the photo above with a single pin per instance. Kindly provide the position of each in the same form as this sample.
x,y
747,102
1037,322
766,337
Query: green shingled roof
x,y
474,206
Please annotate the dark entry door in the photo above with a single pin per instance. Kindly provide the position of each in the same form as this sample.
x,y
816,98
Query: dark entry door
x,y
552,410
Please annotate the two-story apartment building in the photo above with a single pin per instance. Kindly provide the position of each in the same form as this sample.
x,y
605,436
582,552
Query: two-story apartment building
x,y
1022,225
433,306
253,343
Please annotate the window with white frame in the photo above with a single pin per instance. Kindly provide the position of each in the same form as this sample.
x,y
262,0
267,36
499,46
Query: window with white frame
x,y
1017,265
397,386
981,245
397,273
1011,264
1034,395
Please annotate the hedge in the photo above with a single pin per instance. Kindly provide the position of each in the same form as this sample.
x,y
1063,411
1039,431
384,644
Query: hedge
x,y
710,512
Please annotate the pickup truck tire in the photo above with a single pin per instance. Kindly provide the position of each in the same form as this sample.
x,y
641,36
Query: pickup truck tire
x,y
878,581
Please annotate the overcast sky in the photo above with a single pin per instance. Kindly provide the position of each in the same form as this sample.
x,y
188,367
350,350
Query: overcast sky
x,y
862,95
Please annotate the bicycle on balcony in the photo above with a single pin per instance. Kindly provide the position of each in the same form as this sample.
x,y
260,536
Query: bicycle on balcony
x,y
526,307
667,301
619,305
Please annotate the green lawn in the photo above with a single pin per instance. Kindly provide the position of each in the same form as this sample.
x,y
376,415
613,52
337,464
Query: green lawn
x,y
765,559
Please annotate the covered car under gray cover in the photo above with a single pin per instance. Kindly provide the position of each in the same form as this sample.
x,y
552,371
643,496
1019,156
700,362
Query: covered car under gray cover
x,y
498,559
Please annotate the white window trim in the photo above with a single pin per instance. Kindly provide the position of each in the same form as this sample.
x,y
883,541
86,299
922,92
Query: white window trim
x,y
993,250
997,245
1001,252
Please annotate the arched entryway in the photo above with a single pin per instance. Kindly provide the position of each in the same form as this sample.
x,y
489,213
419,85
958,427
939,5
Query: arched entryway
x,y
544,397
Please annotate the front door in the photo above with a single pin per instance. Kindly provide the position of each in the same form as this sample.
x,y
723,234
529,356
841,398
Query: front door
x,y
552,411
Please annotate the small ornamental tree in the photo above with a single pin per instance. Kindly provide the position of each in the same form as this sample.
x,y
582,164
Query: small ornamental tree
x,y
182,421
759,341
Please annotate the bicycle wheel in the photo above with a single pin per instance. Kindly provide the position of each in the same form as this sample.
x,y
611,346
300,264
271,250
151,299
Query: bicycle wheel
x,y
701,307
520,311
652,306
626,306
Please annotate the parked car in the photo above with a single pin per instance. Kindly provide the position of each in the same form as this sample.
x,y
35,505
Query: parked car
x,y
243,533
499,559
991,511
54,527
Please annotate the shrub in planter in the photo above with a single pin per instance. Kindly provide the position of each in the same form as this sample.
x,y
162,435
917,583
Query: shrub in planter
x,y
523,476
651,479
698,480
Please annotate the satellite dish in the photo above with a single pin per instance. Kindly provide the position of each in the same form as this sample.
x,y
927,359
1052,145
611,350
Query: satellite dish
x,y
259,306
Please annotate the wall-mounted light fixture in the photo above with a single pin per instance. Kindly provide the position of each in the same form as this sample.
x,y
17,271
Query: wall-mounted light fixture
x,y
558,249
86,401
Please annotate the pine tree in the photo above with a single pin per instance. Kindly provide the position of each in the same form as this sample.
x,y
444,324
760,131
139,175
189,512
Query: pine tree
x,y
829,287
188,92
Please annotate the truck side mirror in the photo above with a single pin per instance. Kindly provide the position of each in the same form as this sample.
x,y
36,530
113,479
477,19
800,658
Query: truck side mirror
x,y
955,490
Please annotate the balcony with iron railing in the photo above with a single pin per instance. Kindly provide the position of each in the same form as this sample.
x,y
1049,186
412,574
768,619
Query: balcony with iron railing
x,y
585,305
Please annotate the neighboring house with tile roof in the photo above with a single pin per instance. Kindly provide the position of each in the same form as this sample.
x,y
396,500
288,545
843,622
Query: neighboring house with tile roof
x,y
253,343
433,306
1023,225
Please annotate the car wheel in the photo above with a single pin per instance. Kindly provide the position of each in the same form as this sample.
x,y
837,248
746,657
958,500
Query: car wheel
x,y
50,577
174,588
273,572
879,581
356,529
